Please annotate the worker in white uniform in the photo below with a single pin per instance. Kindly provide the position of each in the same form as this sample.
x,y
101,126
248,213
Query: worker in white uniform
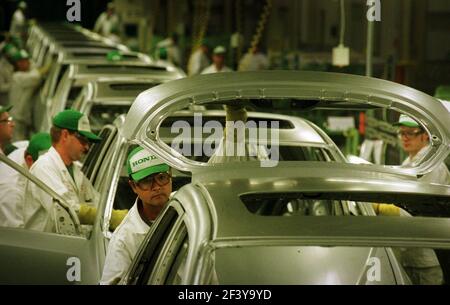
x,y
199,60
7,126
151,180
415,142
25,82
218,64
59,168
12,183
421,264
169,50
254,61
108,23
19,21
6,72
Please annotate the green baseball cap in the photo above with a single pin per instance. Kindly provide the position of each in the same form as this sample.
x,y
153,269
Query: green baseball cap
x,y
405,120
141,164
443,93
114,56
39,144
75,121
19,55
5,109
7,48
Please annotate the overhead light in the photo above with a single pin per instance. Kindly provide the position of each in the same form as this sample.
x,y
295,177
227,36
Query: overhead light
x,y
341,54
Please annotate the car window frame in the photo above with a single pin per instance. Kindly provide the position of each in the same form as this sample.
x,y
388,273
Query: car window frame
x,y
142,267
92,161
170,249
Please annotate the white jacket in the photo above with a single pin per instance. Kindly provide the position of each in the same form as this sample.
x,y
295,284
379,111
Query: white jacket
x,y
439,175
23,86
212,69
6,75
123,246
254,62
197,63
106,24
12,187
18,23
50,168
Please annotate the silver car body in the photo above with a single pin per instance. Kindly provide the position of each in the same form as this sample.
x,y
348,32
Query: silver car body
x,y
78,75
212,238
315,89
206,231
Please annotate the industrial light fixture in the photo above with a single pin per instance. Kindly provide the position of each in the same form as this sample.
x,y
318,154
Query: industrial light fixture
x,y
341,53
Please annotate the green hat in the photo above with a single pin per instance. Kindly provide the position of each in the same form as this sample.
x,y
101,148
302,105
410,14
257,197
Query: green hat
x,y
75,121
114,56
141,164
5,109
39,144
443,93
19,55
9,50
405,120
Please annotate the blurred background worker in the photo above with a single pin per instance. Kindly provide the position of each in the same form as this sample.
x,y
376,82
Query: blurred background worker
x,y
218,64
19,21
6,72
199,60
151,181
25,82
168,49
108,23
254,61
6,128
415,142
12,183
59,168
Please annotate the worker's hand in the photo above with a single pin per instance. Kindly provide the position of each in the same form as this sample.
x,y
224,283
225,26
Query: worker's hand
x,y
116,218
383,209
44,69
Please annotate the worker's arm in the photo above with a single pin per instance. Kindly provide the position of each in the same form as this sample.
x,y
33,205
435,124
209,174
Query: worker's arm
x,y
382,209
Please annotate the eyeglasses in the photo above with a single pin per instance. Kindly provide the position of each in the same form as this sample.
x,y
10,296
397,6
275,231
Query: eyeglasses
x,y
160,179
83,140
409,134
9,120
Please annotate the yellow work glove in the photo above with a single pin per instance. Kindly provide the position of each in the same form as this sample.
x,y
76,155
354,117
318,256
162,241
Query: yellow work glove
x,y
44,69
383,209
86,214
116,218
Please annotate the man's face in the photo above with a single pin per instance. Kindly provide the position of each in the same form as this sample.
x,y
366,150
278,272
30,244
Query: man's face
x,y
23,65
154,190
218,59
6,128
77,146
413,139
